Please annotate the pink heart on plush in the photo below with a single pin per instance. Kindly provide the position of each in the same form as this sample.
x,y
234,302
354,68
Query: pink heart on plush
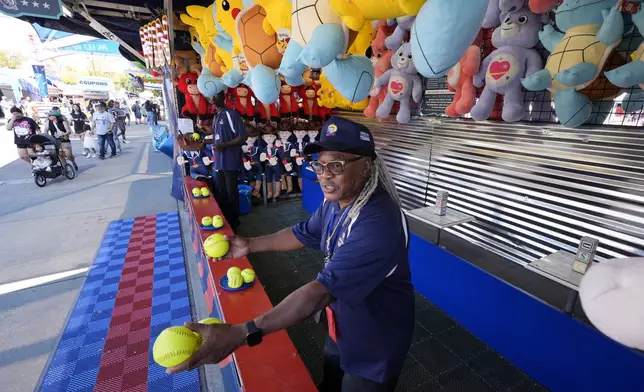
x,y
396,87
498,69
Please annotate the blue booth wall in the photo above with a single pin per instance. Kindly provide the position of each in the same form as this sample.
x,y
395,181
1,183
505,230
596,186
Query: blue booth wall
x,y
560,352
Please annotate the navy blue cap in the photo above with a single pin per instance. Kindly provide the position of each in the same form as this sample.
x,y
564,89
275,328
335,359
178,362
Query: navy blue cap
x,y
343,135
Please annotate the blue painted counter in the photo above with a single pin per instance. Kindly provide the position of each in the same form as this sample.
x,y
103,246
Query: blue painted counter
x,y
560,352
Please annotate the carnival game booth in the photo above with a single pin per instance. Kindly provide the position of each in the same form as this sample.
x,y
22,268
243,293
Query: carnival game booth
x,y
153,241
522,184
499,122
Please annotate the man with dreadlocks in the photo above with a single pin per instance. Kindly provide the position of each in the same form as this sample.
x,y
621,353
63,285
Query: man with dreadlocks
x,y
364,289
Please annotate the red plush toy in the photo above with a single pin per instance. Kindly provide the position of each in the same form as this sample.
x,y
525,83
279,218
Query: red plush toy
x,y
459,80
268,113
382,64
243,102
288,101
230,94
196,104
310,108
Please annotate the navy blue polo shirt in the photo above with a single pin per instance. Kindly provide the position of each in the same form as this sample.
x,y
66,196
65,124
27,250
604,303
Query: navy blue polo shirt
x,y
368,275
227,126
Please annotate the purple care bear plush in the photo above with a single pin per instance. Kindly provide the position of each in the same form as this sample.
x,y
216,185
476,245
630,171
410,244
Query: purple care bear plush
x,y
403,84
503,69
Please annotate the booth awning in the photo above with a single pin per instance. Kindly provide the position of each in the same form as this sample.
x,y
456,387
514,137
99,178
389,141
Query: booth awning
x,y
123,18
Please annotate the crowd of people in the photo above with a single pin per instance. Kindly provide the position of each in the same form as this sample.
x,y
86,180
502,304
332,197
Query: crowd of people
x,y
97,129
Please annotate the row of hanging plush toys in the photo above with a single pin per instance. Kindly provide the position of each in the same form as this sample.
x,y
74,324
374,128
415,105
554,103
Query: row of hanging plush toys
x,y
583,72
270,38
278,154
293,102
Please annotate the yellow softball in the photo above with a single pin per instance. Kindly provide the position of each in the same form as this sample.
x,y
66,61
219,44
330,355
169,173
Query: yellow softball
x,y
174,346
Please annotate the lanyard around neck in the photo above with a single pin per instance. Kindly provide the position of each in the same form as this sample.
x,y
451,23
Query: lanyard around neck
x,y
332,233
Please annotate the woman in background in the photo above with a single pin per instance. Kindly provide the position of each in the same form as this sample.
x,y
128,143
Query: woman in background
x,y
58,127
152,115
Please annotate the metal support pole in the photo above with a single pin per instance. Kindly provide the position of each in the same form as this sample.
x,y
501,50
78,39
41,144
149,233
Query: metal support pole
x,y
104,31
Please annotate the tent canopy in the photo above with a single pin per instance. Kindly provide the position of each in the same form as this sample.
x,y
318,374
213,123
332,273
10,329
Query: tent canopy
x,y
122,17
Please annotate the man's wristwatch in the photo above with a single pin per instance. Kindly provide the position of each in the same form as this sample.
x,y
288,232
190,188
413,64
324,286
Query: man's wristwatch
x,y
254,335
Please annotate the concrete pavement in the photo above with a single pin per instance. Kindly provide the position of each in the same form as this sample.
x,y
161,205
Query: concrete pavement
x,y
58,228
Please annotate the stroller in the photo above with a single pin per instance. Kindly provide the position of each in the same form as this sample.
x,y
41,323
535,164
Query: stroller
x,y
56,169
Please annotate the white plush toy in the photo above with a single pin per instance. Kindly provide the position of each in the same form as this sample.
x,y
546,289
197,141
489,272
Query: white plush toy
x,y
612,295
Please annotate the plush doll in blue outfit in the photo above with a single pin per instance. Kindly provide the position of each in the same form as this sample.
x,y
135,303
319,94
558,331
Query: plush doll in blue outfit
x,y
442,33
271,157
593,28
287,145
199,163
631,74
298,160
252,171
320,40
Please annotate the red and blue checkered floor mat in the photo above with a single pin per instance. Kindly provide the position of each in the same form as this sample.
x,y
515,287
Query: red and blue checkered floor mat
x,y
136,288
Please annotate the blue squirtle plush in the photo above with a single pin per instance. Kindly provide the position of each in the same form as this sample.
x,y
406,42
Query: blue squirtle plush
x,y
442,33
593,28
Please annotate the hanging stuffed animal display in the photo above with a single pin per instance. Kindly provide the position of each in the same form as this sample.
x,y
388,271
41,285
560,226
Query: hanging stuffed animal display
x,y
243,102
288,152
460,80
310,108
504,68
196,105
261,53
403,25
593,28
403,84
442,32
631,74
268,114
270,157
252,167
288,101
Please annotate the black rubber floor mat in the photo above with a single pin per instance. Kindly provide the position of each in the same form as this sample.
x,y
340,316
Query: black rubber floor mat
x,y
444,356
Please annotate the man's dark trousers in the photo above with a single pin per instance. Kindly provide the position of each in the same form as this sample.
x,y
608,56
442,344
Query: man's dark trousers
x,y
228,195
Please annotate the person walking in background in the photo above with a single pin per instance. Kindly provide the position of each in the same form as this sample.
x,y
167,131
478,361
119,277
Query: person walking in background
x,y
126,109
136,109
157,112
149,109
22,127
60,129
32,109
229,133
103,124
120,115
81,127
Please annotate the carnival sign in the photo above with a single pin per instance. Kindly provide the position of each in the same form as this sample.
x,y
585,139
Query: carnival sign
x,y
50,9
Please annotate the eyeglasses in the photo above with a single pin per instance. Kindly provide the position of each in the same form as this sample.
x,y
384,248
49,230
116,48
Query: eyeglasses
x,y
334,167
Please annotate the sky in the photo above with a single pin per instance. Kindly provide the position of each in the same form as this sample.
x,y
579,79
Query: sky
x,y
19,32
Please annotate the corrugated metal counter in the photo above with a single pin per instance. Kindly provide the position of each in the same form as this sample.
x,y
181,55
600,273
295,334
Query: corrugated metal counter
x,y
534,189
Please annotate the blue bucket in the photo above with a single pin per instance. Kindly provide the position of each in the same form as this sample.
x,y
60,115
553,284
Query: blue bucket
x,y
245,199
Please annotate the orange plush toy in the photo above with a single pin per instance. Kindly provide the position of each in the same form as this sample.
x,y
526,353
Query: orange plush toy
x,y
459,80
196,105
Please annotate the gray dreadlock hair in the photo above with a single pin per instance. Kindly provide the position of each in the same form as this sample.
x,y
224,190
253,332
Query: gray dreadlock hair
x,y
379,175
